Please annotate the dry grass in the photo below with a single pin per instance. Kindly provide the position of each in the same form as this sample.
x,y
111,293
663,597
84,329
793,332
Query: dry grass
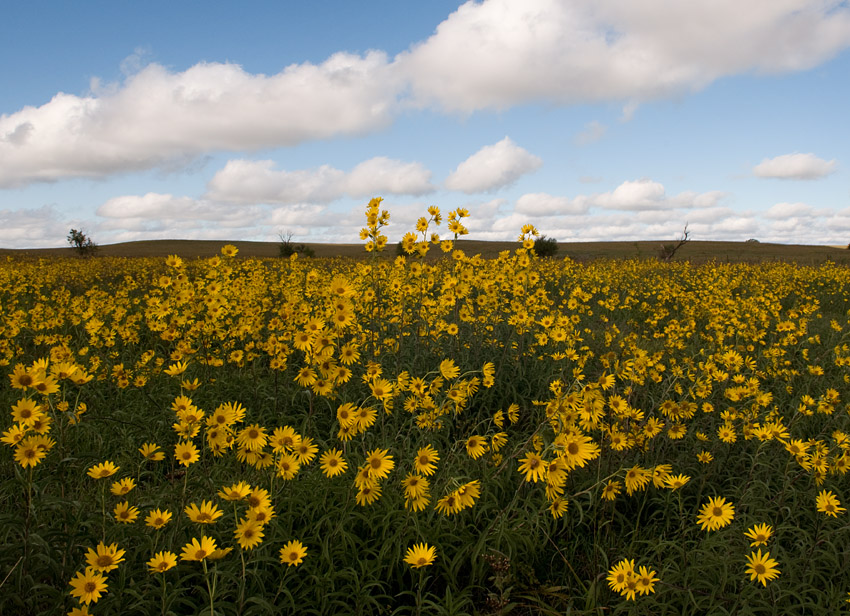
x,y
695,251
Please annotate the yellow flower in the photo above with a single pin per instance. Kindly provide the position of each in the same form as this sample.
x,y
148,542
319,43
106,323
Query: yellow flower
x,y
126,514
207,513
186,453
332,463
158,518
448,369
103,470
105,558
151,452
476,446
248,533
292,553
829,504
715,514
236,492
161,562
123,486
533,466
379,464
762,567
28,454
760,533
88,586
420,555
198,550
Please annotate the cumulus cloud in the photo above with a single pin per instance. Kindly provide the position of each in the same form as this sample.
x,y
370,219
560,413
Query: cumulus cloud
x,y
140,211
492,167
33,228
257,181
542,204
782,211
647,195
156,116
499,53
795,167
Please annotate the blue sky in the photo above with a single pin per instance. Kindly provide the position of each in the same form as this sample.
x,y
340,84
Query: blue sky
x,y
604,120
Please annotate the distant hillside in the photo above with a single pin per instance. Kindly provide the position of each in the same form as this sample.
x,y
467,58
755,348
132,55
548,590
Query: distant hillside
x,y
695,251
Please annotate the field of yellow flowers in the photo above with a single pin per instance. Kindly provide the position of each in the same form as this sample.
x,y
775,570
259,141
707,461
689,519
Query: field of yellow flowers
x,y
436,433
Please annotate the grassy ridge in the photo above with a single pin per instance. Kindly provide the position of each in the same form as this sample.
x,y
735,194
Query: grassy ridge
x,y
694,251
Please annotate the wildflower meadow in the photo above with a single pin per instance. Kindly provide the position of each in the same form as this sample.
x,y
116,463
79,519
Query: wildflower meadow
x,y
432,433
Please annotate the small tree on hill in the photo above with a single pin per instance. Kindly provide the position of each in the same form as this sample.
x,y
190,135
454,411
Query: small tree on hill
x,y
287,247
546,246
668,251
82,243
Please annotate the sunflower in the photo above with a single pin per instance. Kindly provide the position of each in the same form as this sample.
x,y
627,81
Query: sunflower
x,y
186,453
248,533
125,514
829,504
636,479
252,438
762,567
25,411
261,515
259,498
577,448
674,482
306,450
414,486
612,489
88,586
27,454
420,555
162,561
468,492
332,463
448,369
534,467
21,379
476,446
150,451
198,549
558,507
207,513
368,494
123,486
449,504
292,553
646,580
379,464
288,466
760,533
284,439
105,558
715,514
619,574
103,470
158,518
236,492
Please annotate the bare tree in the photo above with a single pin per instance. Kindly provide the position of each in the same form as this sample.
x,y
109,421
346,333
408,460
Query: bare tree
x,y
668,251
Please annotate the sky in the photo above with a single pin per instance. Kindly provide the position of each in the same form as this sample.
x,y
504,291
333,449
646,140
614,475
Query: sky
x,y
590,119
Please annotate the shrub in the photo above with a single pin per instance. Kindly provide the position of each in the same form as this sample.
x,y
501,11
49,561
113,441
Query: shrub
x,y
287,247
546,246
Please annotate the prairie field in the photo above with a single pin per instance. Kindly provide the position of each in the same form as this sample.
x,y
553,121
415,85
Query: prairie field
x,y
444,432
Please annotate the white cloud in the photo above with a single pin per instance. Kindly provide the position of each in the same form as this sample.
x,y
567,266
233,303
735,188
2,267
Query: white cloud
x,y
492,167
648,195
156,117
499,53
303,215
542,204
591,133
795,167
34,228
166,210
381,175
789,210
257,181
